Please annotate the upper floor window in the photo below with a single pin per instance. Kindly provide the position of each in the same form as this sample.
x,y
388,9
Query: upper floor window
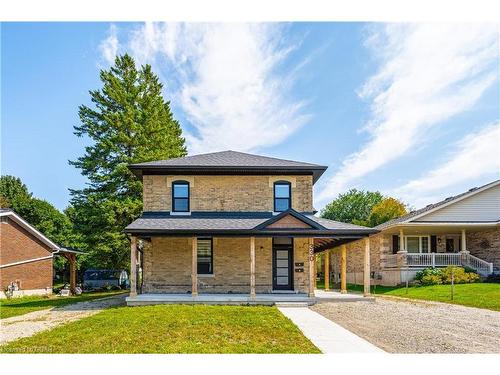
x,y
282,196
180,196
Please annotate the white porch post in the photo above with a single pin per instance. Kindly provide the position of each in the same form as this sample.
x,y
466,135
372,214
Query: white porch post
x,y
366,269
312,268
133,266
252,267
464,240
194,267
401,240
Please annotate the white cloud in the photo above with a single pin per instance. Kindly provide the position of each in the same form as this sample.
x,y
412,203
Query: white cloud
x,y
227,80
109,46
476,156
427,74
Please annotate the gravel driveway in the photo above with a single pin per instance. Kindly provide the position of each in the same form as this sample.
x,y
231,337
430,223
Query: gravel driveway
x,y
409,326
29,324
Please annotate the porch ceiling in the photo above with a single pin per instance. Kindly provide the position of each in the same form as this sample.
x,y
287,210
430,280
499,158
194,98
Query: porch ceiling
x,y
440,228
323,244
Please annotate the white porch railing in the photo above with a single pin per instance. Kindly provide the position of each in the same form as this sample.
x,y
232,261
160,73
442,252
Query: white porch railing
x,y
449,259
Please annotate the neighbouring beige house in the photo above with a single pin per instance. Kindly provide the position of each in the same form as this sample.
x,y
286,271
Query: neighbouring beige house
x,y
463,230
233,227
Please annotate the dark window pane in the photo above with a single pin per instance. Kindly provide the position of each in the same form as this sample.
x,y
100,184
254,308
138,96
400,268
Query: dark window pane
x,y
282,191
180,204
281,204
205,256
181,191
282,240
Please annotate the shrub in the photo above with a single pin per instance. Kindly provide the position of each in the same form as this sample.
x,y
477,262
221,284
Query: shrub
x,y
431,280
493,278
460,276
427,272
434,276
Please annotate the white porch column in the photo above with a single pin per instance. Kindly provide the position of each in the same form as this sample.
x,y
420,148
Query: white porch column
x,y
252,267
366,269
343,269
312,268
401,240
133,266
194,267
464,240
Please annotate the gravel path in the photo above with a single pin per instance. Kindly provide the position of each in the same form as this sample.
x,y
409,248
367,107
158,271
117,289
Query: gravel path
x,y
409,326
29,324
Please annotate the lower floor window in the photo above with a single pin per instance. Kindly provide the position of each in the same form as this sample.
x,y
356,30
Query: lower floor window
x,y
417,244
205,256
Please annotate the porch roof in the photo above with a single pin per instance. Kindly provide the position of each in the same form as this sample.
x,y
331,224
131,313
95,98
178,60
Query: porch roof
x,y
242,223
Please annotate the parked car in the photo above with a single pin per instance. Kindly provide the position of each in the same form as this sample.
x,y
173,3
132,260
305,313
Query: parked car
x,y
105,278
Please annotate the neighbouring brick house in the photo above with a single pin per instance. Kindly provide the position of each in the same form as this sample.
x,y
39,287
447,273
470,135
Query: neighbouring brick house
x,y
461,230
229,223
26,257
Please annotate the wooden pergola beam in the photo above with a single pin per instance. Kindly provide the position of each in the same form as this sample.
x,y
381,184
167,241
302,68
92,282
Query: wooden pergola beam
x,y
252,267
194,267
133,266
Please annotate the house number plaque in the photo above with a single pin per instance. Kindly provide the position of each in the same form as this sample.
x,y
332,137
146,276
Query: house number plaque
x,y
311,253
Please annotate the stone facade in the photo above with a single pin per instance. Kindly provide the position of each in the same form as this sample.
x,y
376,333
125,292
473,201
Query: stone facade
x,y
379,247
167,266
485,245
226,193
385,265
17,245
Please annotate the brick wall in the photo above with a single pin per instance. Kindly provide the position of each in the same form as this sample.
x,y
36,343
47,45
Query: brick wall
x,y
16,244
227,193
485,245
167,266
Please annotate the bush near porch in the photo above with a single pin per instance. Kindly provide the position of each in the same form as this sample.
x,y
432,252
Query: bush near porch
x,y
172,329
435,276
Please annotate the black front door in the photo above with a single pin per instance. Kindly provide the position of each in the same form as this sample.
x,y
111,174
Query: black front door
x,y
282,263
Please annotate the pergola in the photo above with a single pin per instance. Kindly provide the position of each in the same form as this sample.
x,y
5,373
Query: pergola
x,y
326,244
70,255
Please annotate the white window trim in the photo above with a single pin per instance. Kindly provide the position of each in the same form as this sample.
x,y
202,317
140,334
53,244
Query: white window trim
x,y
419,242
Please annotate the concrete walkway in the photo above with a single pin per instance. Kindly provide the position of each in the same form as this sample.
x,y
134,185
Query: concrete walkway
x,y
328,336
29,324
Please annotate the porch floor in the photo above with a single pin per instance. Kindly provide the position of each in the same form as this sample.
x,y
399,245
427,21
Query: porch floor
x,y
282,299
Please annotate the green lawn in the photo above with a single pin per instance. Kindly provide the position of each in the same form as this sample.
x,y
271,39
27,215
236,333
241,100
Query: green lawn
x,y
23,305
482,295
172,329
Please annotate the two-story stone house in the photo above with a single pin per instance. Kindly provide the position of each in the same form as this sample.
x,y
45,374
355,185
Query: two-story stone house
x,y
232,224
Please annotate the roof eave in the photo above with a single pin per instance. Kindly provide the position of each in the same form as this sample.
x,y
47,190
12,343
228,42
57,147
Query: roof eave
x,y
140,170
253,232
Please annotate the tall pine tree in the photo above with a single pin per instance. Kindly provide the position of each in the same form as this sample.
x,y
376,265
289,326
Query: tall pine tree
x,y
129,122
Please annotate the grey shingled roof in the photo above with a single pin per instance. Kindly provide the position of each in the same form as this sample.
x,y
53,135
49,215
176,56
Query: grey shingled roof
x,y
228,161
223,221
432,206
337,225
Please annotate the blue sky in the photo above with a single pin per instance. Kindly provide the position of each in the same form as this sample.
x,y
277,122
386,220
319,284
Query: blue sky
x,y
409,110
